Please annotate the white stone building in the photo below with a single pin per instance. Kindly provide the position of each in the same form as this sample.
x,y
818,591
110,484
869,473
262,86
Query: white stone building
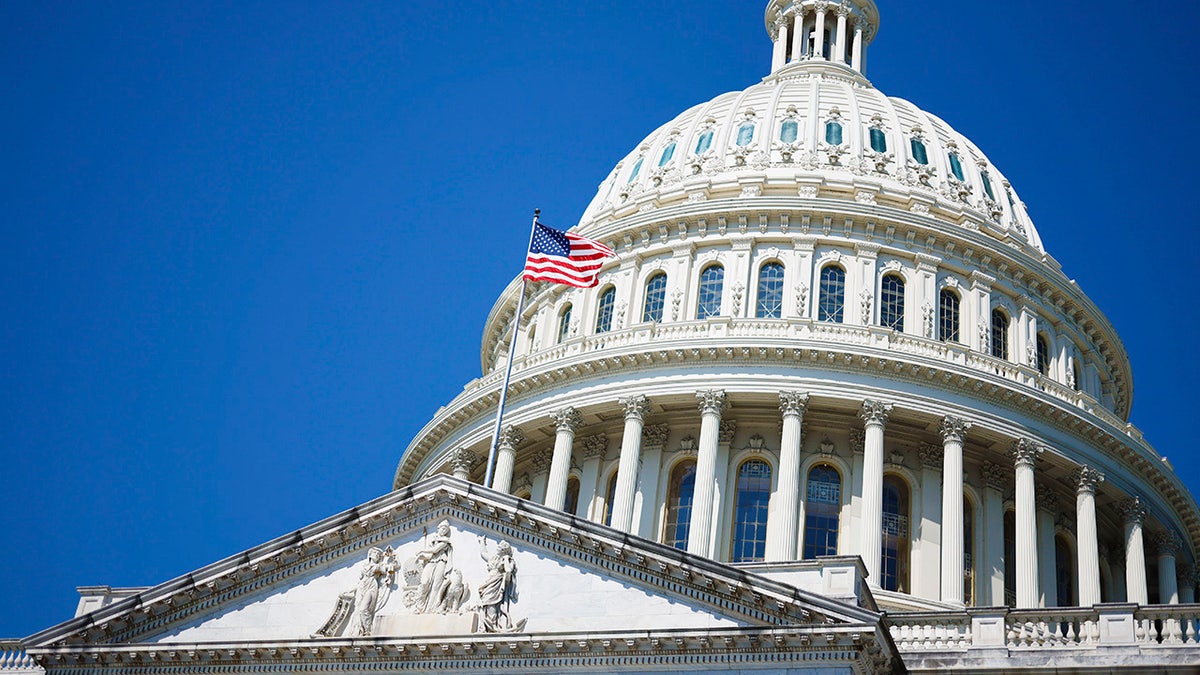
x,y
831,409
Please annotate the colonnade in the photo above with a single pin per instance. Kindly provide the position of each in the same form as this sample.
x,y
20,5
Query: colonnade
x,y
635,497
801,34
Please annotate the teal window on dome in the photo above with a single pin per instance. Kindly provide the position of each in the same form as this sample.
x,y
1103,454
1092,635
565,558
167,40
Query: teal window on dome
x,y
679,504
745,134
656,296
667,153
999,334
789,132
822,511
604,315
753,493
833,133
564,323
891,302
948,311
956,166
831,302
770,291
704,142
637,168
878,140
918,151
987,185
712,282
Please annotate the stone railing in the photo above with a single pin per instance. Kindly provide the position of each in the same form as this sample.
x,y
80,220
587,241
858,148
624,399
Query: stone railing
x,y
13,658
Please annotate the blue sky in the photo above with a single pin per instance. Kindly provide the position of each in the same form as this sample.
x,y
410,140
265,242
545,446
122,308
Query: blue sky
x,y
249,247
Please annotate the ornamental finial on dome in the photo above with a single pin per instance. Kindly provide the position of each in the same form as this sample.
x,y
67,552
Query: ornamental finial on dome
x,y
821,31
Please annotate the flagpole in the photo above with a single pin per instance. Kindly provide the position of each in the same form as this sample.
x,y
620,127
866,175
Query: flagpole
x,y
512,352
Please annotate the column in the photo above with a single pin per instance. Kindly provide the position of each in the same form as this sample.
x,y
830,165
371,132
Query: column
x,y
646,502
1168,586
953,431
874,415
782,530
1087,542
819,32
994,482
636,408
594,448
1047,507
798,35
506,457
462,461
721,491
1133,513
856,61
1024,453
540,475
566,421
779,56
839,47
712,404
926,571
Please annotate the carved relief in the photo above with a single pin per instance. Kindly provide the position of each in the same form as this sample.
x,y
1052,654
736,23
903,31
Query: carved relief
x,y
726,431
865,298
654,435
801,299
931,455
498,590
595,446
354,613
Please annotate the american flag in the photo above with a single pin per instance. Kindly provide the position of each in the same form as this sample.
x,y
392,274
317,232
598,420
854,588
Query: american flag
x,y
564,258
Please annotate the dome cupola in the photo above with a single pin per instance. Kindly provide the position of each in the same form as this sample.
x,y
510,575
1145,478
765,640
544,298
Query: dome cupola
x,y
818,31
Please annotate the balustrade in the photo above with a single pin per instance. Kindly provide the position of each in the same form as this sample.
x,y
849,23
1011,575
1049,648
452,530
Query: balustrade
x,y
13,658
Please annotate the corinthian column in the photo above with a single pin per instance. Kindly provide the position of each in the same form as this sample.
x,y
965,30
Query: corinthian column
x,y
566,421
779,55
712,404
874,415
839,48
1047,507
462,461
954,431
783,524
1133,513
1087,542
636,408
1167,547
1024,454
506,457
819,34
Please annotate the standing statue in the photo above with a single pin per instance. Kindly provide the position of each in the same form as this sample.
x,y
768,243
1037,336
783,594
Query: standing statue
x,y
431,567
358,606
498,590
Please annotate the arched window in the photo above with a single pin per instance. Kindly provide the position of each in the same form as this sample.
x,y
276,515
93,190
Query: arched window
x,y
745,134
789,131
571,503
918,151
564,323
667,153
833,133
704,142
770,291
708,300
948,304
832,299
679,504
637,168
1043,355
987,185
610,496
894,576
968,552
878,140
750,511
1010,559
656,298
822,511
999,334
956,166
604,312
891,302
1064,572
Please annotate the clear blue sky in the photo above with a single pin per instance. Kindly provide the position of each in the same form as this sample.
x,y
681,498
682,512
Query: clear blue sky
x,y
248,248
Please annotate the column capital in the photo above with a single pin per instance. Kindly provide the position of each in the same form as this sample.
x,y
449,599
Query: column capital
x,y
726,431
1025,451
636,407
931,455
1132,511
821,6
510,438
1045,499
541,461
595,446
1166,544
654,436
843,10
875,412
566,419
463,460
954,429
712,401
792,403
1086,479
994,475
1187,575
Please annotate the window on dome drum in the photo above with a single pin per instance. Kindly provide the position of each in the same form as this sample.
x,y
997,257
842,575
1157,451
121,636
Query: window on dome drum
x,y
656,297
679,505
822,511
667,153
1010,558
968,552
918,151
789,131
832,299
1077,372
948,304
891,302
704,142
987,185
956,166
1043,355
1064,572
637,168
894,576
745,134
833,133
750,511
878,140
604,314
770,291
999,334
712,282
564,323
610,496
571,503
